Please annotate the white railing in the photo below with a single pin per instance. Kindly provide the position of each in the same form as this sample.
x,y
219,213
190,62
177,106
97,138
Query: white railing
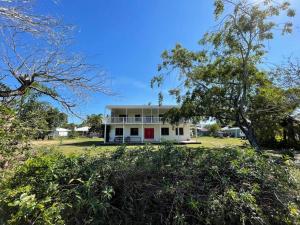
x,y
133,120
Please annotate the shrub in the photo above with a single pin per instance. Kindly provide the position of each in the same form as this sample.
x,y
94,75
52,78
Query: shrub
x,y
213,129
13,138
173,185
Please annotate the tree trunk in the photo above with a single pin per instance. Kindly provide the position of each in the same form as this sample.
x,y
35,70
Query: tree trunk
x,y
250,135
248,130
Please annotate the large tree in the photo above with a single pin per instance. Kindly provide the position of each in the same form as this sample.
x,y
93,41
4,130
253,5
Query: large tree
x,y
36,56
223,79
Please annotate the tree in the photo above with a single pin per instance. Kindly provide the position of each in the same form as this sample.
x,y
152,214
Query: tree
x,y
222,79
39,116
36,56
94,121
14,137
213,128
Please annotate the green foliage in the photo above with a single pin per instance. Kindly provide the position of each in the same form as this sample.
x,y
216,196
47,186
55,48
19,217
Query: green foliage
x,y
13,137
171,185
94,121
40,117
213,128
223,78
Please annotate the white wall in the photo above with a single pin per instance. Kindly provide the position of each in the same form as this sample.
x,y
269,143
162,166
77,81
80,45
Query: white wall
x,y
60,133
171,137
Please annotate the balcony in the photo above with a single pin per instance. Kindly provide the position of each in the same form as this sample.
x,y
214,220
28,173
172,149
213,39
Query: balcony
x,y
134,120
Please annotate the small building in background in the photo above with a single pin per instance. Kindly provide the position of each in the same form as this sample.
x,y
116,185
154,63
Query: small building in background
x,y
83,131
232,132
60,132
202,131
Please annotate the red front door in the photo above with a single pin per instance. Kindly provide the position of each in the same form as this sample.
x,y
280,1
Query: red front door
x,y
149,133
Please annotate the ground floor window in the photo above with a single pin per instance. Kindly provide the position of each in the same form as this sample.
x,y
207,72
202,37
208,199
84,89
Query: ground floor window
x,y
134,131
164,131
119,132
180,131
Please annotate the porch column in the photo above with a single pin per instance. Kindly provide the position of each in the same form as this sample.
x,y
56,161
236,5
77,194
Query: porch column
x,y
123,131
196,134
105,131
142,125
159,132
177,134
105,121
159,125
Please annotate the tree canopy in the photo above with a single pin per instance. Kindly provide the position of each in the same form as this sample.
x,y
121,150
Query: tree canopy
x,y
224,78
94,121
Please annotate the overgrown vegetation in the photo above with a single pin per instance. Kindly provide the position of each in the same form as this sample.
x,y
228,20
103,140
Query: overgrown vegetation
x,y
173,185
13,137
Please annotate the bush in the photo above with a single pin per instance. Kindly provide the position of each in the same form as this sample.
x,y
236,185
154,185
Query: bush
x,y
173,185
13,139
213,129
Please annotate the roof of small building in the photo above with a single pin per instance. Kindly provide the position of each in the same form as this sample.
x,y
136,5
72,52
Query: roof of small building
x,y
230,128
141,106
83,129
59,129
202,129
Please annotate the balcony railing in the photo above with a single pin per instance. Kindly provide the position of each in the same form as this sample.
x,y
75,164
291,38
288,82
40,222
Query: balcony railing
x,y
133,120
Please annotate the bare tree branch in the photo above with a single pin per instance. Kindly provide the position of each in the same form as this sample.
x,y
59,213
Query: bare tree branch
x,y
36,56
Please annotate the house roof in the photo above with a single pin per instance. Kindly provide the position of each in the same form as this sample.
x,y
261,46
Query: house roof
x,y
230,128
141,106
202,129
83,129
61,129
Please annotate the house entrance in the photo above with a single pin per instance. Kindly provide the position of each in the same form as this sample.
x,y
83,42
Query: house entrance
x,y
149,133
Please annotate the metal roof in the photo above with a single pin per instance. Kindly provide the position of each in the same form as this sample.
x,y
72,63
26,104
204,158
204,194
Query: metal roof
x,y
59,129
83,129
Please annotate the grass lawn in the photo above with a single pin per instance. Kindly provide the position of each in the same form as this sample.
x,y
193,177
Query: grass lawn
x,y
82,145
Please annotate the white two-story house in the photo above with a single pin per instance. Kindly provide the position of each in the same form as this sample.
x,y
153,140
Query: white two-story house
x,y
142,123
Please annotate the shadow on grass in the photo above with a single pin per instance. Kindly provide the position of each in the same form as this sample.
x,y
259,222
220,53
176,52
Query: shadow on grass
x,y
85,143
101,143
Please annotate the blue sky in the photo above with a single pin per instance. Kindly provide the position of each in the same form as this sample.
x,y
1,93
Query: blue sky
x,y
126,39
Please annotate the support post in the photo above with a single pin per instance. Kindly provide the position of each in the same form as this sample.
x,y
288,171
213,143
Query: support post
x,y
105,122
142,125
177,134
123,131
159,132
196,133
159,125
105,132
